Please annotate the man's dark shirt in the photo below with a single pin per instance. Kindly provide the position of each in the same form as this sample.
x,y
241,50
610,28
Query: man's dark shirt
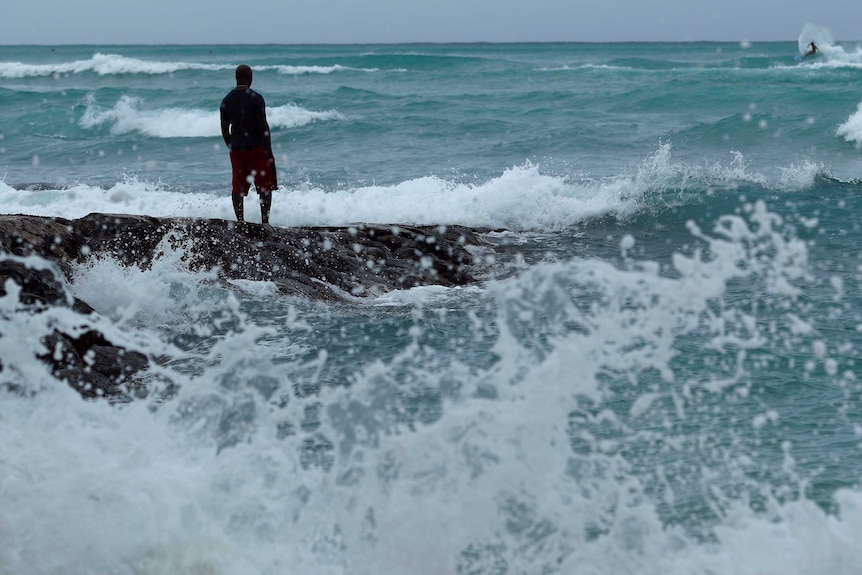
x,y
242,109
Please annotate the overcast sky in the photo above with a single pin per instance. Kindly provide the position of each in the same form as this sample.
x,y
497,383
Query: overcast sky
x,y
382,21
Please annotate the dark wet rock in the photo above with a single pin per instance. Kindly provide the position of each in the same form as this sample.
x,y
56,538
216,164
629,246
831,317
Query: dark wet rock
x,y
90,363
43,286
325,263
316,262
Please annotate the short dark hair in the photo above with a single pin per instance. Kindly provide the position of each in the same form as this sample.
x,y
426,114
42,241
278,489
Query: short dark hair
x,y
243,75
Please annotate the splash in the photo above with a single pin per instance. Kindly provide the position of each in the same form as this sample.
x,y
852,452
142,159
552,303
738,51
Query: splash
x,y
851,129
832,55
820,35
549,423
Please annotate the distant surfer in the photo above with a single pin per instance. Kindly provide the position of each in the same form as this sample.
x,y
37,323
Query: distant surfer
x,y
246,134
812,49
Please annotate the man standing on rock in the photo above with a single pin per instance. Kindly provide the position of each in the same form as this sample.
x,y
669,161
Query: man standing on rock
x,y
246,133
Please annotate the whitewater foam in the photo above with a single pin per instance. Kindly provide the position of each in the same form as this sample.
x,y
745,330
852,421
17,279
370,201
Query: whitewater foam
x,y
522,198
851,129
103,65
117,64
624,398
130,114
301,70
207,482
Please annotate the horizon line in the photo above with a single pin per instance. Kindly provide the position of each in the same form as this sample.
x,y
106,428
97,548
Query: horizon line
x,y
419,42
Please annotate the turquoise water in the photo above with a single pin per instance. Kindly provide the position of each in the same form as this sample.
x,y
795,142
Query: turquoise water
x,y
464,111
657,373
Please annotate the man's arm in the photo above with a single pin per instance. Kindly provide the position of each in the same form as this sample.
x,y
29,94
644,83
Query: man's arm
x,y
267,142
225,129
264,127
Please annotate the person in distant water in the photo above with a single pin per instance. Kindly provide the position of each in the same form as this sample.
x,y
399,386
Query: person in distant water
x,y
246,134
812,49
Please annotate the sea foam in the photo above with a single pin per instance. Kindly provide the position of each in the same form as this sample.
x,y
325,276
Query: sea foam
x,y
851,129
103,65
130,114
116,64
522,198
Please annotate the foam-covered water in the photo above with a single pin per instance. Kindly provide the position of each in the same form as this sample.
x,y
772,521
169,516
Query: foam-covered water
x,y
657,374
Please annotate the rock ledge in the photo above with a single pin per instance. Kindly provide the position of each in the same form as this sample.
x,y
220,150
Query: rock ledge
x,y
324,263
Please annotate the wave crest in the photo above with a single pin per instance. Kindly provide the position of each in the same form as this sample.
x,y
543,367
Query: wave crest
x,y
103,65
130,115
116,64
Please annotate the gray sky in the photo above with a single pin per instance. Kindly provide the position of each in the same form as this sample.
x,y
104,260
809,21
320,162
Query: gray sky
x,y
380,21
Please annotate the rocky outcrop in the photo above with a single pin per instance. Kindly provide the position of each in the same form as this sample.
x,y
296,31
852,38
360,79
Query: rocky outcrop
x,y
326,263
86,360
318,262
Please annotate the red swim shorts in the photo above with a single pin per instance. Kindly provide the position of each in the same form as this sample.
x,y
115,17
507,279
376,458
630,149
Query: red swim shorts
x,y
252,167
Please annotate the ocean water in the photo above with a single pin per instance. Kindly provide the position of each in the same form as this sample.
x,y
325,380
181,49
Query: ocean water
x,y
656,374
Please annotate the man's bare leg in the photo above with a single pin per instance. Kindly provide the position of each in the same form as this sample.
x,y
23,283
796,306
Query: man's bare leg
x,y
238,206
265,205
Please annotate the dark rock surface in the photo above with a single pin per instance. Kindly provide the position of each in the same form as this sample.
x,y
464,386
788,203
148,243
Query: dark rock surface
x,y
321,262
90,363
326,263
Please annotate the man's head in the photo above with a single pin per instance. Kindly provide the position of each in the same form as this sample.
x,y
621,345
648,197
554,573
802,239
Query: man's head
x,y
243,75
